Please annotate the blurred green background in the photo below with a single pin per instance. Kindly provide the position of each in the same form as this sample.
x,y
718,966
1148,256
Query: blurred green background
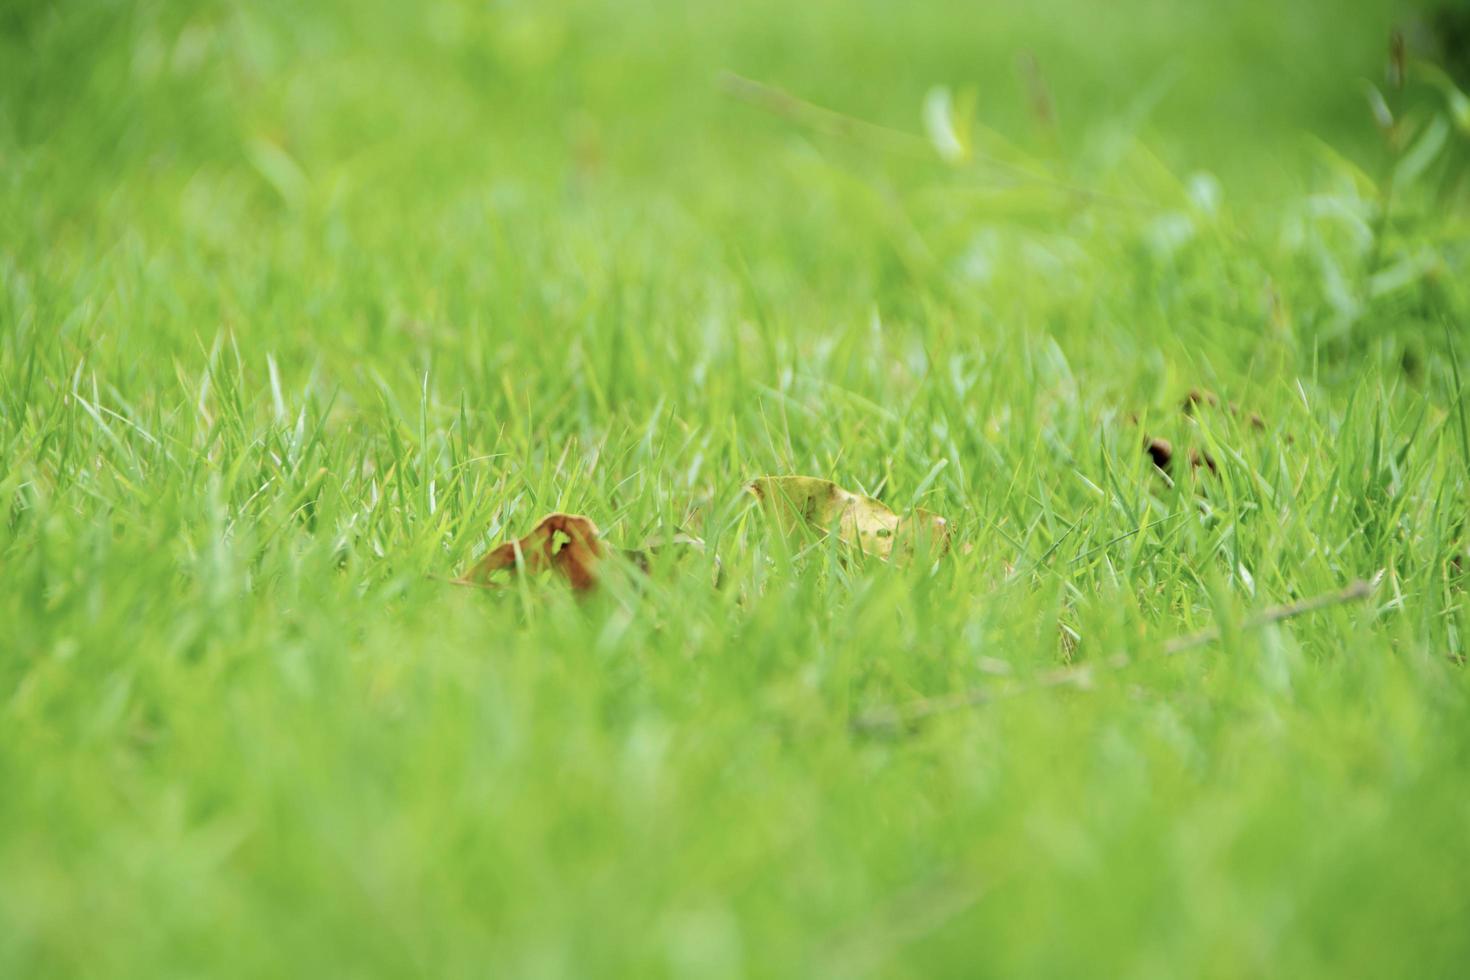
x,y
439,152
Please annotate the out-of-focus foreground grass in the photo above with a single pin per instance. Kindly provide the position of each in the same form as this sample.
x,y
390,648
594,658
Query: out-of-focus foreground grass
x,y
302,306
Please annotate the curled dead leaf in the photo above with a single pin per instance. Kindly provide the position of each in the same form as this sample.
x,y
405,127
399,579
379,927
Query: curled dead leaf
x,y
806,502
568,543
572,546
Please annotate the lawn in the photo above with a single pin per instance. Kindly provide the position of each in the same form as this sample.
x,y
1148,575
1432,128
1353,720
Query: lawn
x,y
304,307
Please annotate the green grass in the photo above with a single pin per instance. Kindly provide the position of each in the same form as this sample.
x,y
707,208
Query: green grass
x,y
302,307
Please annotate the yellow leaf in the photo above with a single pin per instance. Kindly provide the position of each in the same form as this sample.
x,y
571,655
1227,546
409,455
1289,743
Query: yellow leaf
x,y
796,502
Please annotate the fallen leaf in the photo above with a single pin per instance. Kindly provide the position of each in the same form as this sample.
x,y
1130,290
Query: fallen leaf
x,y
571,545
797,502
568,543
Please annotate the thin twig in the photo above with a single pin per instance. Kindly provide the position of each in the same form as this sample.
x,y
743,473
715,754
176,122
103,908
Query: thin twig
x,y
908,716
1361,589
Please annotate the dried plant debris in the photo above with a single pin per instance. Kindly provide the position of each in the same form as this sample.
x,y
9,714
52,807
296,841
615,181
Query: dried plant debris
x,y
1161,451
568,543
907,717
1198,458
1201,397
571,546
1195,401
795,503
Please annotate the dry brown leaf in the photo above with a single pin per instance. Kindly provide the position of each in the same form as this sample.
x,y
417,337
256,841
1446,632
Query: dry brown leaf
x,y
568,543
796,502
571,545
